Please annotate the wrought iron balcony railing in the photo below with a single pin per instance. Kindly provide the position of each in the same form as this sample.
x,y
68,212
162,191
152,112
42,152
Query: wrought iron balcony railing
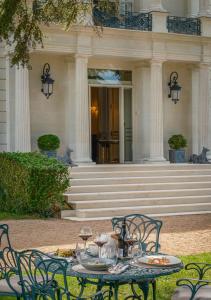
x,y
133,21
184,25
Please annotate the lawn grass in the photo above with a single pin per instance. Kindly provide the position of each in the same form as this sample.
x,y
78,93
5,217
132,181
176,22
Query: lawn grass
x,y
165,285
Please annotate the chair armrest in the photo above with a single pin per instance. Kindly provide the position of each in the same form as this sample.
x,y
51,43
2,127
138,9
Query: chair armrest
x,y
200,268
193,284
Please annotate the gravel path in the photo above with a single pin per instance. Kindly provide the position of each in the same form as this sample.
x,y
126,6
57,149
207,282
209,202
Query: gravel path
x,y
179,235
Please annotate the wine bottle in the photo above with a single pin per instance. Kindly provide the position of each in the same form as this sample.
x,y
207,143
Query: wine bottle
x,y
120,246
124,237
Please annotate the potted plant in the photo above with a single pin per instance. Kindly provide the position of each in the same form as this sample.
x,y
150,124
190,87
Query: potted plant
x,y
48,144
177,143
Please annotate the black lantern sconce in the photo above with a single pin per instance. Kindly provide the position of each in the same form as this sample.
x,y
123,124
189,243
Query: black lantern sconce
x,y
47,81
174,88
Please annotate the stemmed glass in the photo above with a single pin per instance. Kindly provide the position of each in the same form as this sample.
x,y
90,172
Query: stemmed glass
x,y
131,240
85,233
100,240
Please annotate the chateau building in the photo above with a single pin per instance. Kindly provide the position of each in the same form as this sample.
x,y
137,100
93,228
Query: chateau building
x,y
110,100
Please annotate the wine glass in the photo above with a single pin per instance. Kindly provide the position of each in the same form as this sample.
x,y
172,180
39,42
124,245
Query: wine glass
x,y
80,252
100,240
85,233
131,240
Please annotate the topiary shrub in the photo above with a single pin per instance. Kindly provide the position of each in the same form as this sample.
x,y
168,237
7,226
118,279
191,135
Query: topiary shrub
x,y
177,142
31,183
48,142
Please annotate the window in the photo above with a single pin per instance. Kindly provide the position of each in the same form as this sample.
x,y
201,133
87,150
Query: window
x,y
114,77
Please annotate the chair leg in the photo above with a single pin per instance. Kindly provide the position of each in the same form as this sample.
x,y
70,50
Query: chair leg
x,y
154,289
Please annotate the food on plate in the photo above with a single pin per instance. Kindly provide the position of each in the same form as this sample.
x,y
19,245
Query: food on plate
x,y
159,261
65,252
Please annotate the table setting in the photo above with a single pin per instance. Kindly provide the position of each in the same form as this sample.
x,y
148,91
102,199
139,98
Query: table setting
x,y
115,259
113,253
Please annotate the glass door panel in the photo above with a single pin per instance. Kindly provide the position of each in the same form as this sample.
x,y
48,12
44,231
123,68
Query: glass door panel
x,y
128,157
105,124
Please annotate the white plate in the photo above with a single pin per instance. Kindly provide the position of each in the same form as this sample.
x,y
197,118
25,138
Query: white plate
x,y
172,260
53,255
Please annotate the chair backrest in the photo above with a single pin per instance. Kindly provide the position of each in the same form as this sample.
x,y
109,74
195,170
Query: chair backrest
x,y
8,264
4,236
146,229
38,273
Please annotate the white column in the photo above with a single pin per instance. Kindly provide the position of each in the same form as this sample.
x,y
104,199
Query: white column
x,y
22,111
193,8
195,110
209,117
156,112
156,5
203,105
82,113
204,6
70,104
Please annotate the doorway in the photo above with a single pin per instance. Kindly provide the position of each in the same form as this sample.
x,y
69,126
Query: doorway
x,y
105,125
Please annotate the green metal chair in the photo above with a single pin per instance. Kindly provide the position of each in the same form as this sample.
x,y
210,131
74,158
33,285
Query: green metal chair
x,y
147,230
192,288
38,277
9,278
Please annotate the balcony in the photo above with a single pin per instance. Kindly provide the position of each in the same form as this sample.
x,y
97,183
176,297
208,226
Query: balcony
x,y
184,25
132,21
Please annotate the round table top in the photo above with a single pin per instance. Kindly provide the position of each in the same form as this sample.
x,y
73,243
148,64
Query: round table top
x,y
133,273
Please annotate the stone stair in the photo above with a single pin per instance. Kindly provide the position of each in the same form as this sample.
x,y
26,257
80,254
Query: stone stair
x,y
104,191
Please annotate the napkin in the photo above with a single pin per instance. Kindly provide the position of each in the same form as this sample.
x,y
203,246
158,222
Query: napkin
x,y
118,269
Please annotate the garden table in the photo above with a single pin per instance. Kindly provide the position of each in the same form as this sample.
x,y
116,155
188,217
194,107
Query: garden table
x,y
132,276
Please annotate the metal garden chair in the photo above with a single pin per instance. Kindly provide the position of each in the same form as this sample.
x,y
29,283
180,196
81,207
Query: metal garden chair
x,y
147,231
39,278
192,288
9,278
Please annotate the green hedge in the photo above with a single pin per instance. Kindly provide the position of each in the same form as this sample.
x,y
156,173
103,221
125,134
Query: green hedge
x,y
31,183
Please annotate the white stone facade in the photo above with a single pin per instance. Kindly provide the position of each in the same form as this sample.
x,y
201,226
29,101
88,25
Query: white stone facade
x,y
25,113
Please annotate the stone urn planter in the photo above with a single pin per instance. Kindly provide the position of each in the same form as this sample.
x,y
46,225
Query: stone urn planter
x,y
48,145
177,144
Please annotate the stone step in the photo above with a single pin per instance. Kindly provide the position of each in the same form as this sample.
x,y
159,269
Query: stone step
x,y
104,191
137,194
139,202
138,187
138,167
147,210
135,180
140,173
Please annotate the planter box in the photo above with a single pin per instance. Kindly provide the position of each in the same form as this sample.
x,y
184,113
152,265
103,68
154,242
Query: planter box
x,y
177,156
50,153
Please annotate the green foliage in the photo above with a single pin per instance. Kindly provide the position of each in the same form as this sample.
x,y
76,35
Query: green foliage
x,y
32,184
21,23
177,142
48,142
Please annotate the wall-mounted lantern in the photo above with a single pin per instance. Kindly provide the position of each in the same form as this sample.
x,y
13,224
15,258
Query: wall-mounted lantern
x,y
47,81
174,88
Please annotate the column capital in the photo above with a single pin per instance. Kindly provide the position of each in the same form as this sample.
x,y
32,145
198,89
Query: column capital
x,y
82,56
157,61
204,65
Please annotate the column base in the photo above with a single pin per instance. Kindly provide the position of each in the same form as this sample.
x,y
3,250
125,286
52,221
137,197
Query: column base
x,y
155,160
84,161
